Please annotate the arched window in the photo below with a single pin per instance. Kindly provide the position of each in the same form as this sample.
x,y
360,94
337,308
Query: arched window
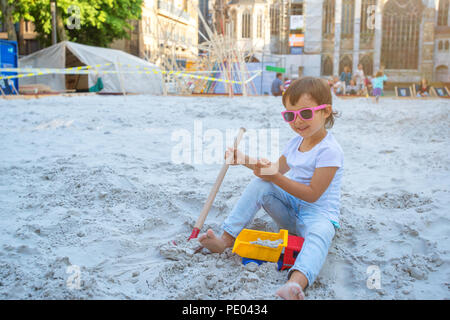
x,y
346,61
442,74
446,45
443,12
246,25
231,25
259,26
440,46
327,66
400,34
275,19
348,16
367,63
367,27
328,17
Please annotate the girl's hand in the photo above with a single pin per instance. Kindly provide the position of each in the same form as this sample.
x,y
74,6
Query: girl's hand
x,y
266,170
234,157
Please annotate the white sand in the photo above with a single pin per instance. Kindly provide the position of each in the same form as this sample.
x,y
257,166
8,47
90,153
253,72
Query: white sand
x,y
89,182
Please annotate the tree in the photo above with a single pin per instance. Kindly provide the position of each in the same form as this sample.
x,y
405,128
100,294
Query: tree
x,y
7,9
99,22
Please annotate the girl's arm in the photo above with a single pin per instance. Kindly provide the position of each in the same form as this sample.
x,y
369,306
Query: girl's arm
x,y
320,181
251,163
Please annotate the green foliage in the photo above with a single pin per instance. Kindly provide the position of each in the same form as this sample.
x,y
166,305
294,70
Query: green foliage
x,y
100,21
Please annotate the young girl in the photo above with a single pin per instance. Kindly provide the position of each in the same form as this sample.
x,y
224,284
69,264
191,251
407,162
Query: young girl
x,y
306,200
378,84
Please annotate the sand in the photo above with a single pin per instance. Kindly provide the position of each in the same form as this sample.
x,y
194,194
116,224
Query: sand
x,y
90,198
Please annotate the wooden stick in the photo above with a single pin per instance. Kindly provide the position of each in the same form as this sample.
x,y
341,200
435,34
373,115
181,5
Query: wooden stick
x,y
212,195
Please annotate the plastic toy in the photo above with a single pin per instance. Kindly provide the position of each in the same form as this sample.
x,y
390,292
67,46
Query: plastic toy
x,y
244,247
285,254
293,248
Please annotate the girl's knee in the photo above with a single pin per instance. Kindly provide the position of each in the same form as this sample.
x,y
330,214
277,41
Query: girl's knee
x,y
323,229
261,185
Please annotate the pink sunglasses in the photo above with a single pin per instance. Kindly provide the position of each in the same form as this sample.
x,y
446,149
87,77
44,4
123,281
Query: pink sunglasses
x,y
304,114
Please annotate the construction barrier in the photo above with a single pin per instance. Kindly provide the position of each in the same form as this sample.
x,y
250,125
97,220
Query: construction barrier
x,y
31,72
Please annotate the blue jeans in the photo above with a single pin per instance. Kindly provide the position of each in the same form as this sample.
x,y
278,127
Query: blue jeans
x,y
290,213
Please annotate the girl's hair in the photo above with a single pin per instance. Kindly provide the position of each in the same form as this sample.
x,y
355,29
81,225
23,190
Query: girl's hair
x,y
317,89
379,74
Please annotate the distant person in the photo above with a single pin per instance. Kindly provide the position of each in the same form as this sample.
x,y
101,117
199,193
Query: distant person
x,y
378,84
277,86
346,75
287,82
338,86
368,83
423,89
352,88
359,78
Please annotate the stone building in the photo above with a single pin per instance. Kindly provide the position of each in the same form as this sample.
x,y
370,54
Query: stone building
x,y
168,29
408,38
401,36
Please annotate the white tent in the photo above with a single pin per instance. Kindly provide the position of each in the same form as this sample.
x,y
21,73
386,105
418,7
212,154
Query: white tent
x,y
70,54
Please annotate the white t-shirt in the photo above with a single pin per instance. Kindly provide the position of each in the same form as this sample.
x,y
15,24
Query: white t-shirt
x,y
327,153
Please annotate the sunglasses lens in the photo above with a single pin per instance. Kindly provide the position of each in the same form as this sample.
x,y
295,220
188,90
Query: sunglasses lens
x,y
306,114
288,116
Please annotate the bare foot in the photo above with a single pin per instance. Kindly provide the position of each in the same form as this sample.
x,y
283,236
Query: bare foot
x,y
213,243
291,291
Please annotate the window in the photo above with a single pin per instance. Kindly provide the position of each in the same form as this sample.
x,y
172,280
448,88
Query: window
x,y
328,17
246,25
274,19
440,46
400,34
296,9
259,26
348,16
367,63
446,45
442,74
443,12
327,66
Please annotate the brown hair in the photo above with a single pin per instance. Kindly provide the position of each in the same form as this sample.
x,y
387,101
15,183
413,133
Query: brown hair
x,y
379,74
317,89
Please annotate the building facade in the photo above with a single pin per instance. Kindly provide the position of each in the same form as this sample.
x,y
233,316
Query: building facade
x,y
406,38
167,32
409,39
27,37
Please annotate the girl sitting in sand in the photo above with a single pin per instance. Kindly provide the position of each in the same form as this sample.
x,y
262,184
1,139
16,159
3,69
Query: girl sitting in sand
x,y
306,200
